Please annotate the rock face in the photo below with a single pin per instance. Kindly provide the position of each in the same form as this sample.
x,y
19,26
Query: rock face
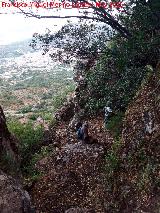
x,y
141,149
9,158
66,112
13,199
142,120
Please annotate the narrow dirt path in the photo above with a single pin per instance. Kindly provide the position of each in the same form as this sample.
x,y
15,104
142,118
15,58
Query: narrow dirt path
x,y
74,175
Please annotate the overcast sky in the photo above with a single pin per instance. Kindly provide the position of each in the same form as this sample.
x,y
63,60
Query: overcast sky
x,y
16,27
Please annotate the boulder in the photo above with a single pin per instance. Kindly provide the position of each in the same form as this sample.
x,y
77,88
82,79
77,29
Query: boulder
x,y
13,199
66,112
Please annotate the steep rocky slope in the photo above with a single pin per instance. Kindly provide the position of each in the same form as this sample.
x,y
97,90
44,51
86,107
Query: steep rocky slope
x,y
13,198
141,149
9,155
79,177
136,172
74,174
74,177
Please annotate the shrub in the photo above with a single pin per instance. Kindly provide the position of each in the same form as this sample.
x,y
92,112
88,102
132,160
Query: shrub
x,y
60,98
112,158
47,116
8,165
33,117
115,124
30,140
25,109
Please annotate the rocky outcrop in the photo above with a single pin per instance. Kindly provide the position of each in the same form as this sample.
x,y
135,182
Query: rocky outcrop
x,y
140,152
73,107
66,112
9,156
142,120
13,199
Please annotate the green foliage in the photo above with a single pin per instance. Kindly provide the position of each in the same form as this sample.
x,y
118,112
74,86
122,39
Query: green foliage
x,y
30,140
7,164
26,109
52,122
45,151
121,68
33,117
118,73
83,41
112,158
60,98
112,169
31,172
115,124
47,116
144,181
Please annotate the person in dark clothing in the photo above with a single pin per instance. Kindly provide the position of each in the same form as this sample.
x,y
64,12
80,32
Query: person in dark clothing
x,y
84,132
79,131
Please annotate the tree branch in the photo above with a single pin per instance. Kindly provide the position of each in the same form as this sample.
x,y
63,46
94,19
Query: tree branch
x,y
104,17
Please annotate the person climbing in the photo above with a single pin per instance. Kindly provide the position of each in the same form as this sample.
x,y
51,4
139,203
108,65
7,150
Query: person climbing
x,y
79,131
107,112
81,79
84,132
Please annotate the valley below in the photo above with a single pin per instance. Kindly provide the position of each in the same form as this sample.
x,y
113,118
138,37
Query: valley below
x,y
30,82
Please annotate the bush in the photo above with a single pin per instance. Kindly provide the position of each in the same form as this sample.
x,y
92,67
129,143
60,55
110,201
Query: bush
x,y
8,165
30,140
112,168
118,73
33,117
115,124
25,109
60,98
47,116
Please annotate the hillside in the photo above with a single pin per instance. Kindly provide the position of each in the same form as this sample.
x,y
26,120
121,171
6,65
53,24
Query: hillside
x,y
81,133
29,81
109,175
